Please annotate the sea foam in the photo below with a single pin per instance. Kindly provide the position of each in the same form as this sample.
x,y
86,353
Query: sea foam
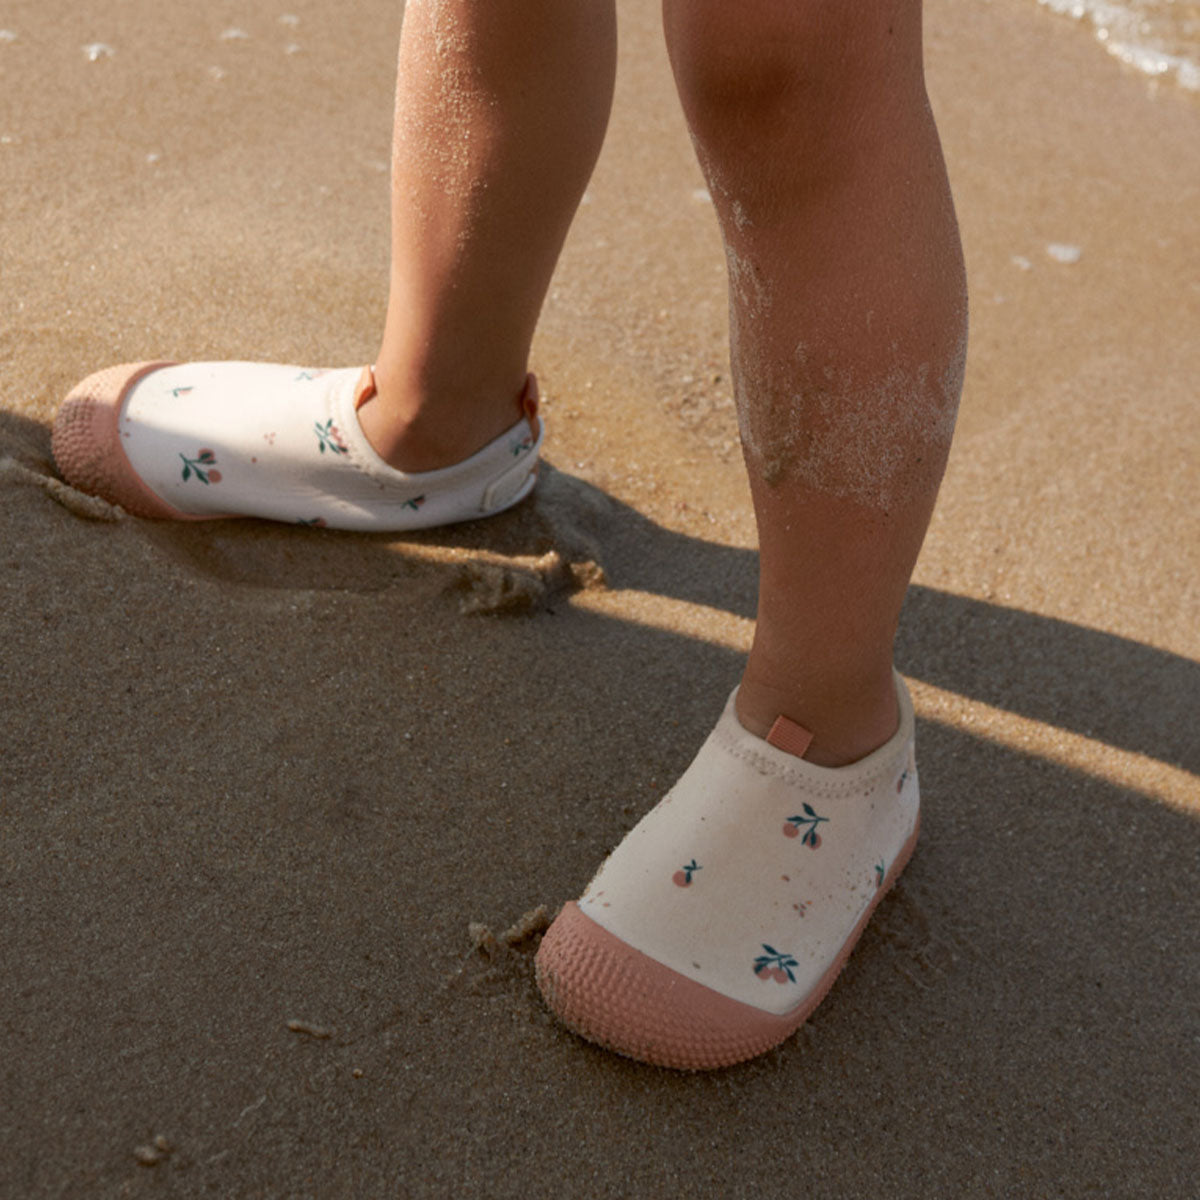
x,y
1156,37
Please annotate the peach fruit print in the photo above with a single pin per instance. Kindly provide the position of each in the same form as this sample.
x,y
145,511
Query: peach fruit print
x,y
201,467
683,877
805,827
773,965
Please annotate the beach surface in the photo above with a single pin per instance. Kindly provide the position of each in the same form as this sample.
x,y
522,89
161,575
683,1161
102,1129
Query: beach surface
x,y
275,802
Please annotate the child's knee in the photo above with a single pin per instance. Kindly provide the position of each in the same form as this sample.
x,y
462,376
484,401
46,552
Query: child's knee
x,y
743,67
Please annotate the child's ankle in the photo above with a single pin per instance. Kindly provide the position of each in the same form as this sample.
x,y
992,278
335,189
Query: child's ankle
x,y
413,431
846,723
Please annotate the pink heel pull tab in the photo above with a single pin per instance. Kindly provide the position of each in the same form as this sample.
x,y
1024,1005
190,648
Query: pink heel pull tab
x,y
364,389
789,737
529,404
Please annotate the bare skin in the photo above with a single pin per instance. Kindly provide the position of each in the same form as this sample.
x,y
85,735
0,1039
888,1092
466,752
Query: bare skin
x,y
847,292
501,107
848,325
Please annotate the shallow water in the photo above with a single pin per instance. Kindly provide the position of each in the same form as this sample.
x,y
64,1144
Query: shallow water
x,y
1160,38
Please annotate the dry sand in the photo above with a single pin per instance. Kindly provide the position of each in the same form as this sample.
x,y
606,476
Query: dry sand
x,y
257,782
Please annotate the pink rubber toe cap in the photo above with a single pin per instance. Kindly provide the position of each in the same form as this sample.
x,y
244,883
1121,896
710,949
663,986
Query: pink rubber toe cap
x,y
86,442
608,992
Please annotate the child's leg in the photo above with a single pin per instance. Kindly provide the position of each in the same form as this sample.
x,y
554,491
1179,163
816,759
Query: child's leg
x,y
500,113
848,326
720,921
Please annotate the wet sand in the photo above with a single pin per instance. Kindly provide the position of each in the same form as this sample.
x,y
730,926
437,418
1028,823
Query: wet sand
x,y
257,783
